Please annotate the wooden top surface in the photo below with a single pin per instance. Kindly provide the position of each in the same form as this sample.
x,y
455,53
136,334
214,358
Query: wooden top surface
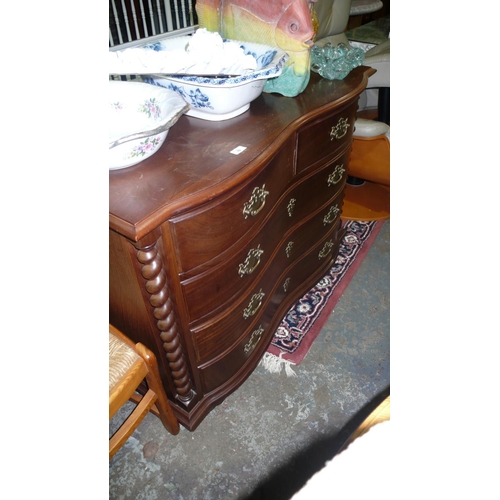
x,y
195,162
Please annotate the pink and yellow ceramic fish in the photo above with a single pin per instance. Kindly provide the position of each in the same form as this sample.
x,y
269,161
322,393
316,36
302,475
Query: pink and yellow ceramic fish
x,y
285,24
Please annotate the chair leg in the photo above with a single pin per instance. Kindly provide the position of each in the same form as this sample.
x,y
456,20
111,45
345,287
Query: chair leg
x,y
130,425
167,415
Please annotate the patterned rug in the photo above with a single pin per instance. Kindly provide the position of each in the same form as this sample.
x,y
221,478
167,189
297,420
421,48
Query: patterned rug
x,y
306,318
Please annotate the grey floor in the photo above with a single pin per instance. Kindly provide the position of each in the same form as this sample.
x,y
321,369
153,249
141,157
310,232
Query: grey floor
x,y
269,436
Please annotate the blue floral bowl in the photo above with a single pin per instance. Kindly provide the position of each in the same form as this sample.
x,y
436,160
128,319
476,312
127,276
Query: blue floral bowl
x,y
218,99
140,117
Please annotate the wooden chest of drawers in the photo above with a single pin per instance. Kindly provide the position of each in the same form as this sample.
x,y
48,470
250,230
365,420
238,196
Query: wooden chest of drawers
x,y
216,236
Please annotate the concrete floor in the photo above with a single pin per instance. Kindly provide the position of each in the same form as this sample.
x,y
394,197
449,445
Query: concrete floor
x,y
268,437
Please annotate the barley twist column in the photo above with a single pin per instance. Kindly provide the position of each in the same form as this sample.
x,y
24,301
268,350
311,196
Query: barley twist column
x,y
156,285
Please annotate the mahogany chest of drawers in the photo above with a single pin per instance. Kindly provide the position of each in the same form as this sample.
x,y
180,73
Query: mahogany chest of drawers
x,y
215,237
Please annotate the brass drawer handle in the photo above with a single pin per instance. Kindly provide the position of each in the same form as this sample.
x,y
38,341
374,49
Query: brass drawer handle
x,y
291,206
327,248
256,202
254,304
288,249
331,215
254,339
339,130
251,262
336,176
286,284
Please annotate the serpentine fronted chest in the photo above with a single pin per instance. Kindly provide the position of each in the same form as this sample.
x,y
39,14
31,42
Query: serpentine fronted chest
x,y
215,237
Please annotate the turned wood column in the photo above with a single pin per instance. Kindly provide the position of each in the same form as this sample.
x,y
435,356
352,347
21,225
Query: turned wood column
x,y
159,297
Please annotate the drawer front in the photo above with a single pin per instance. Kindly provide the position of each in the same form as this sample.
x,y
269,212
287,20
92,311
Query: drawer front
x,y
324,138
221,369
222,286
203,234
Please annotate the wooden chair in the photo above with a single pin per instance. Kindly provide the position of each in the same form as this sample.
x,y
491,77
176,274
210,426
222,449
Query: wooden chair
x,y
129,365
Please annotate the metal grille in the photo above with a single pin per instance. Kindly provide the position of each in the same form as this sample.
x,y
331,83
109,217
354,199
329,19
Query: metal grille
x,y
131,20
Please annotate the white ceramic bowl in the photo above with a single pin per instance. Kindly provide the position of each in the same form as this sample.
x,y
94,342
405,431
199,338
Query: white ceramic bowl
x,y
140,116
218,99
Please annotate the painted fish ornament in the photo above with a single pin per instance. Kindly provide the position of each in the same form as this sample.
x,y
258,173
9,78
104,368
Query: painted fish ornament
x,y
286,24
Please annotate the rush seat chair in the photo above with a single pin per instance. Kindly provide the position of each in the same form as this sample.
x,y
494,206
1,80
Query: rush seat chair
x,y
129,365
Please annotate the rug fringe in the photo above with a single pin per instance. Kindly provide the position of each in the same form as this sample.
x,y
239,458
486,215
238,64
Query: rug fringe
x,y
274,364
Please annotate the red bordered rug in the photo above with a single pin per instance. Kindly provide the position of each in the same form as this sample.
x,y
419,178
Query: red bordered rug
x,y
306,318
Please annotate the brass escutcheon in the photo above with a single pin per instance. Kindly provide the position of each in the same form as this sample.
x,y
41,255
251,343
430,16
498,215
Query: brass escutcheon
x,y
339,130
254,304
251,262
336,175
331,215
326,249
256,202
254,339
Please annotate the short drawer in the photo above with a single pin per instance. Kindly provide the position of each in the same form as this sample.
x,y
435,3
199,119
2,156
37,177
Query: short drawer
x,y
268,252
206,232
324,138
